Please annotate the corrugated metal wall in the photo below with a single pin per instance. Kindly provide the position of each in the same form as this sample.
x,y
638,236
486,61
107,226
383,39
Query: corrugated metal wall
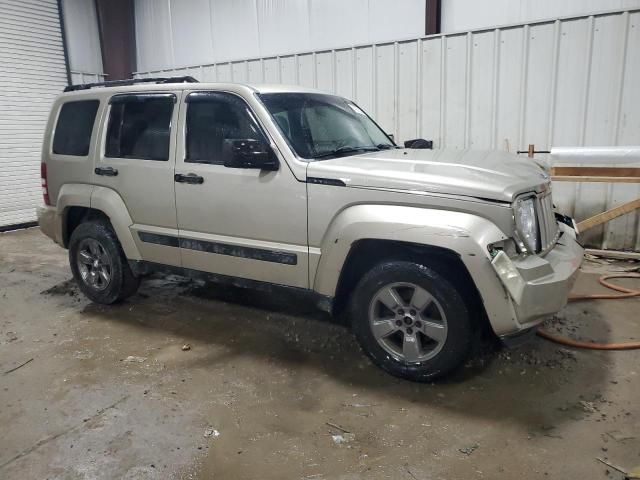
x,y
459,15
184,32
568,82
32,73
83,41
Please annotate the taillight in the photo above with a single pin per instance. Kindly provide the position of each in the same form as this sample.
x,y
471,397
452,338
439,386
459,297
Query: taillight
x,y
43,177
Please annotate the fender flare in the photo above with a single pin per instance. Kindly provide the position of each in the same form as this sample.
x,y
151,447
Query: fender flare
x,y
69,195
73,195
463,233
111,204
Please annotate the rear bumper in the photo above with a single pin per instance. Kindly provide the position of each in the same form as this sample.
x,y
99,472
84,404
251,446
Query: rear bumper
x,y
50,223
539,286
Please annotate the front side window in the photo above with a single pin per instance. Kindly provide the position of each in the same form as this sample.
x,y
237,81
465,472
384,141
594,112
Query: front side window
x,y
321,126
140,126
73,130
214,119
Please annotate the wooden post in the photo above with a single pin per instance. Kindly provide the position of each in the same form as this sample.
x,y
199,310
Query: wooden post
x,y
532,149
608,215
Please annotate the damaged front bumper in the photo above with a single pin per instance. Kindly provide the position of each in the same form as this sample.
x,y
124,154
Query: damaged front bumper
x,y
539,286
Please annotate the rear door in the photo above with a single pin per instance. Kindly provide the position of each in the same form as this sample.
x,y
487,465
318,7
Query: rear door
x,y
240,222
137,161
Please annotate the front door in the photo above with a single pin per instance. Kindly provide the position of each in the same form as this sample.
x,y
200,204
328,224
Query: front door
x,y
239,222
137,161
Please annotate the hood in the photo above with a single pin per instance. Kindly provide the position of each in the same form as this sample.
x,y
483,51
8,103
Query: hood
x,y
490,174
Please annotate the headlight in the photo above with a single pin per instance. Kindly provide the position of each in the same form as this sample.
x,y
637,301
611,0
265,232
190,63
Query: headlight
x,y
527,223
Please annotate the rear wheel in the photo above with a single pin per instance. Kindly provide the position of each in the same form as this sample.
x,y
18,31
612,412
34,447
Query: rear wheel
x,y
99,265
411,321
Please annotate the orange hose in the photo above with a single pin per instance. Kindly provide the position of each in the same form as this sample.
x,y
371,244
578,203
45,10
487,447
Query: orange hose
x,y
626,293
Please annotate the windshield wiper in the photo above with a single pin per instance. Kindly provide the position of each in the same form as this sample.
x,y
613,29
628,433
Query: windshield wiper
x,y
347,149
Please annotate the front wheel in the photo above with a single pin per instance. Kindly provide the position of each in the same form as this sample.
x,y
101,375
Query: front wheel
x,y
411,321
99,265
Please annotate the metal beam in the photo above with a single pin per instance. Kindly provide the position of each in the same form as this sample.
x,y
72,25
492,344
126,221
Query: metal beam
x,y
433,13
116,22
64,41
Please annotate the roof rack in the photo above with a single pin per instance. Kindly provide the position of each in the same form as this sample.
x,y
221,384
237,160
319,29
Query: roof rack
x,y
133,81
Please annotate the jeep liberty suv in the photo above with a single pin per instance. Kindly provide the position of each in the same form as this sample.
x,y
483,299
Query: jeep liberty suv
x,y
288,186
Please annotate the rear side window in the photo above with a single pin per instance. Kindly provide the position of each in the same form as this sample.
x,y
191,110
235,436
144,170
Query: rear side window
x,y
139,126
74,127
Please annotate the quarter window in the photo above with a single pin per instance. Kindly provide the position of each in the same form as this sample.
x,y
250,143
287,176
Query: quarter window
x,y
73,130
139,127
213,119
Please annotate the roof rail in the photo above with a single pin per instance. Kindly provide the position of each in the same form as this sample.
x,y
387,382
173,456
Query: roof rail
x,y
132,81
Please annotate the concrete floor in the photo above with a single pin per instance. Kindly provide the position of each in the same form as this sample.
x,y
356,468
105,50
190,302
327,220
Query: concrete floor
x,y
111,394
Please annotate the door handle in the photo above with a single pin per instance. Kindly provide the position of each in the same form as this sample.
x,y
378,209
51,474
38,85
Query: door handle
x,y
106,171
191,178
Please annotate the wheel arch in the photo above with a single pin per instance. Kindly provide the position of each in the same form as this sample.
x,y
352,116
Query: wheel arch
x,y
440,239
73,216
72,204
364,255
97,203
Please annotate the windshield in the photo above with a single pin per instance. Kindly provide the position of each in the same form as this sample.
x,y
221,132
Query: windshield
x,y
319,126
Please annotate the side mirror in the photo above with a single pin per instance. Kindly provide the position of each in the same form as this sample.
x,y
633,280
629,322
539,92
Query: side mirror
x,y
419,143
249,153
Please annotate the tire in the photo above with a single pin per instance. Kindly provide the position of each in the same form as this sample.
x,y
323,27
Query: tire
x,y
411,321
108,281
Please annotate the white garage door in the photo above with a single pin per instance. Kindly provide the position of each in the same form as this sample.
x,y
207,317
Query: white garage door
x,y
32,73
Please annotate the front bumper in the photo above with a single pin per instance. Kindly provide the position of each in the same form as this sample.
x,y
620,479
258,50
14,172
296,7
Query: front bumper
x,y
50,223
540,286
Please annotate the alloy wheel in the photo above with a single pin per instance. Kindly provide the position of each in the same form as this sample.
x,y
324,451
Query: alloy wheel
x,y
94,264
407,322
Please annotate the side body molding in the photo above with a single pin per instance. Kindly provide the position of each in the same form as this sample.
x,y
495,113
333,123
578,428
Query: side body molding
x,y
466,234
112,205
